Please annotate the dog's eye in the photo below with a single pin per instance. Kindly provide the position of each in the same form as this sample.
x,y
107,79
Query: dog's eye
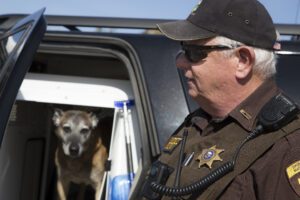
x,y
67,129
84,131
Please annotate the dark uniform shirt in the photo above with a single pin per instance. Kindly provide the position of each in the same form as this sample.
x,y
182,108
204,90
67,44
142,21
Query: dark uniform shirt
x,y
267,167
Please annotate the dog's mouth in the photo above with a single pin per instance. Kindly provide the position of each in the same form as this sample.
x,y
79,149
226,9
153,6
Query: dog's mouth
x,y
73,150
74,155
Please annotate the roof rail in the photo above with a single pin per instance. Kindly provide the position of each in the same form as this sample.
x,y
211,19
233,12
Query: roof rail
x,y
288,29
71,22
7,21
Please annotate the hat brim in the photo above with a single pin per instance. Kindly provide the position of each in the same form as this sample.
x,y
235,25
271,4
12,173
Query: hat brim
x,y
184,31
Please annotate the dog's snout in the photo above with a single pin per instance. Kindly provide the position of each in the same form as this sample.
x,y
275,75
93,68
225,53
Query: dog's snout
x,y
74,149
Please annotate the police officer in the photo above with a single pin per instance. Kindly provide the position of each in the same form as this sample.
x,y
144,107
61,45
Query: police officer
x,y
244,141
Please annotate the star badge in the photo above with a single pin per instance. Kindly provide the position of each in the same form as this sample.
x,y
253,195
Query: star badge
x,y
208,156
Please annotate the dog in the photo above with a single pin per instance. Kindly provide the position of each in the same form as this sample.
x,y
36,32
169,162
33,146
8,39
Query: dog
x,y
80,154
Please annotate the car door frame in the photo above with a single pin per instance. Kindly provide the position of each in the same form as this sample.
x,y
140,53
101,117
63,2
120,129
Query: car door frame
x,y
18,61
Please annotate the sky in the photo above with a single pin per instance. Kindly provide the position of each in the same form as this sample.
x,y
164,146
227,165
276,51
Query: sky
x,y
282,11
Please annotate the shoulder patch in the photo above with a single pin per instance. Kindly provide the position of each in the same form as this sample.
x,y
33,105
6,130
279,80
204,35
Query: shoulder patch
x,y
293,174
172,143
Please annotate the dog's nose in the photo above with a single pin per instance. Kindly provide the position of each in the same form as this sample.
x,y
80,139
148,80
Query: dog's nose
x,y
74,149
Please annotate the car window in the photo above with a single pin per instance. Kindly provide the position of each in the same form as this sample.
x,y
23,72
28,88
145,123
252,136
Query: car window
x,y
18,45
8,44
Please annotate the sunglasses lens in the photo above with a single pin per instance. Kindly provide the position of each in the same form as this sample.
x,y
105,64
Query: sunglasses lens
x,y
194,55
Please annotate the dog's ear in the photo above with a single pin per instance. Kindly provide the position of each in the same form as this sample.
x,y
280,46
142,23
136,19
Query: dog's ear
x,y
94,119
56,116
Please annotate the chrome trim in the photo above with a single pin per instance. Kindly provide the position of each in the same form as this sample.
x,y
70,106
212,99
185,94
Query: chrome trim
x,y
288,52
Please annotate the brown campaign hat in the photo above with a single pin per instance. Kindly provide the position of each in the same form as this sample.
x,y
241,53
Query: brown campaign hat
x,y
246,21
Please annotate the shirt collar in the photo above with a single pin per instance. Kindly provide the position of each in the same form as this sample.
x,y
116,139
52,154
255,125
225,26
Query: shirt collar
x,y
246,113
200,119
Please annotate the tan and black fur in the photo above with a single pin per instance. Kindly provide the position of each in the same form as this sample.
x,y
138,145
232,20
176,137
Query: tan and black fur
x,y
80,153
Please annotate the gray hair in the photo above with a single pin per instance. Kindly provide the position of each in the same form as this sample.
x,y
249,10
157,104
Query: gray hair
x,y
265,60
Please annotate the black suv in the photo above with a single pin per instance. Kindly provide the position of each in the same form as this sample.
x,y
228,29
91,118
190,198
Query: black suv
x,y
77,64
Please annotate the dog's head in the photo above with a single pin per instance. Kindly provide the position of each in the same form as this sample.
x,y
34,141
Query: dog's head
x,y
74,128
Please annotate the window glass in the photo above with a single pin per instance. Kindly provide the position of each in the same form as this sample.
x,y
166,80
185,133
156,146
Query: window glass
x,y
7,45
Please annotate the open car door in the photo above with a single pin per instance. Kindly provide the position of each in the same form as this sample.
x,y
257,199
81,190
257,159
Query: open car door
x,y
17,48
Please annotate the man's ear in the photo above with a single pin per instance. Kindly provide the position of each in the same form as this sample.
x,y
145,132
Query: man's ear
x,y
246,58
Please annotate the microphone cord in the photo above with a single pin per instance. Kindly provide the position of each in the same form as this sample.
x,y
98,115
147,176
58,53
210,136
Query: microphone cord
x,y
208,179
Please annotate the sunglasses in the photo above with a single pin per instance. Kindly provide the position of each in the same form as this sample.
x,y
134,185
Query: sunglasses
x,y
195,53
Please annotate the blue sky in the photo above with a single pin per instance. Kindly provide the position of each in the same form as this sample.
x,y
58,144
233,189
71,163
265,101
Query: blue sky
x,y
282,11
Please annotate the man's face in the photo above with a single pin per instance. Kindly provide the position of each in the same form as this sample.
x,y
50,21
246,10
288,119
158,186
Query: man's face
x,y
208,79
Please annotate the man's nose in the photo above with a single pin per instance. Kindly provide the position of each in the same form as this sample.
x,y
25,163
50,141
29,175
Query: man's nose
x,y
181,61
